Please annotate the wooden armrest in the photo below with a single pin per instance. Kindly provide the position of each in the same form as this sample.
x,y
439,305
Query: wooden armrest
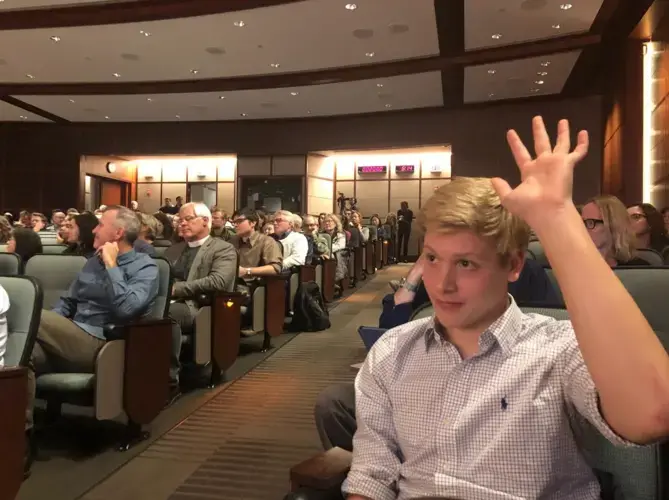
x,y
263,280
207,299
120,332
13,402
148,347
323,471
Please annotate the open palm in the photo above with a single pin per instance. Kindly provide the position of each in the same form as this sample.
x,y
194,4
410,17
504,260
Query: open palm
x,y
547,180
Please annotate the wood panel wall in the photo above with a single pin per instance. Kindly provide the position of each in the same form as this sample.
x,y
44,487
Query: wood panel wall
x,y
41,170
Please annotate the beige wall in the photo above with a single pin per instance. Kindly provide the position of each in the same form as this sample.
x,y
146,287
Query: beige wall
x,y
320,184
382,193
168,177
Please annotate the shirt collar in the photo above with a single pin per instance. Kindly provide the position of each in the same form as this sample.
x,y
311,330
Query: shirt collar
x,y
198,243
504,330
251,240
126,257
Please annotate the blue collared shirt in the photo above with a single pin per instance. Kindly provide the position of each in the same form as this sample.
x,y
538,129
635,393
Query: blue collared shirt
x,y
100,297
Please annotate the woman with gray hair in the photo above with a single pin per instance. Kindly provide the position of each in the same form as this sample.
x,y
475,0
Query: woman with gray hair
x,y
150,229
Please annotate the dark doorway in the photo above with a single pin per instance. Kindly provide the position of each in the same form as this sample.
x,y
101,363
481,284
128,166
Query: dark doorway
x,y
271,193
103,191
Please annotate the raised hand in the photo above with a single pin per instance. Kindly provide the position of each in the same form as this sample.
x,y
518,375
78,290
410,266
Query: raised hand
x,y
546,181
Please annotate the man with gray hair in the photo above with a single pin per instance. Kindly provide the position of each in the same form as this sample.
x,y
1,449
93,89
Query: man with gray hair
x,y
295,245
115,286
201,264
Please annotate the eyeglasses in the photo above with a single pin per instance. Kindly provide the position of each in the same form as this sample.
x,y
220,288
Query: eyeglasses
x,y
592,223
239,220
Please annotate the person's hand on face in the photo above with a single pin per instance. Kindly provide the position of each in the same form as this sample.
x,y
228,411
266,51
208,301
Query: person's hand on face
x,y
547,180
109,253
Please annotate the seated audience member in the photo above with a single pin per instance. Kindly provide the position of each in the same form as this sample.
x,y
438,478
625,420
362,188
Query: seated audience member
x,y
648,226
164,238
117,286
219,227
295,245
319,245
356,221
25,219
25,243
200,265
38,222
150,229
259,254
459,404
57,219
268,229
611,230
5,230
77,232
4,309
134,206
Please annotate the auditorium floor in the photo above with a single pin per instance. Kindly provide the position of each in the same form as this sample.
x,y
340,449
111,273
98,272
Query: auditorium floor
x,y
236,442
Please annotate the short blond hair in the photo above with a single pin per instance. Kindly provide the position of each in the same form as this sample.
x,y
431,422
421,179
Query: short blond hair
x,y
618,224
472,203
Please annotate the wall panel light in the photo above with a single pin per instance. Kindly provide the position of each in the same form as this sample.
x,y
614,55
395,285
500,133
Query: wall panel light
x,y
648,108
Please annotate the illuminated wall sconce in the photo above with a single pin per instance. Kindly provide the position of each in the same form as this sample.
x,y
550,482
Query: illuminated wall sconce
x,y
649,55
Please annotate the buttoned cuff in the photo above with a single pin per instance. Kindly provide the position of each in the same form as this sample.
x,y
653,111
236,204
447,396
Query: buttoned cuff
x,y
360,484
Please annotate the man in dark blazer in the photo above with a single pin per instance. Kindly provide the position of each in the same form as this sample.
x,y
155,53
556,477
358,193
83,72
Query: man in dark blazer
x,y
200,265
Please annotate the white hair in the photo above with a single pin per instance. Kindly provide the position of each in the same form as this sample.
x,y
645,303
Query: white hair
x,y
296,222
200,210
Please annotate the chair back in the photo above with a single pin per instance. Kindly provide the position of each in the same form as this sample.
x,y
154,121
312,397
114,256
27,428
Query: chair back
x,y
537,250
48,238
162,303
423,311
55,273
3,248
649,287
10,264
53,249
651,256
631,472
23,317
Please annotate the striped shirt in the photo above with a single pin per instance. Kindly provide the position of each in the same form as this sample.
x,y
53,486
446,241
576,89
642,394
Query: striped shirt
x,y
495,426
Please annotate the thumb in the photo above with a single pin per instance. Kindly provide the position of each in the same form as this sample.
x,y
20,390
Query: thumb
x,y
502,187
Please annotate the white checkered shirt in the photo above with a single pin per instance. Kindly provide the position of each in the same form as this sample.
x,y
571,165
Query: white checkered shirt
x,y
494,426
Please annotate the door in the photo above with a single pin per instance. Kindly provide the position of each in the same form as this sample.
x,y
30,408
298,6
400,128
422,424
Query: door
x,y
110,193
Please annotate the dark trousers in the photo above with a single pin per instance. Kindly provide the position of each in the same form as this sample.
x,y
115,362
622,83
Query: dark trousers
x,y
335,416
403,235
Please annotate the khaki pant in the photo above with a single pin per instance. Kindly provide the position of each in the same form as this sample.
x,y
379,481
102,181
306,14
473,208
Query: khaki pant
x,y
61,347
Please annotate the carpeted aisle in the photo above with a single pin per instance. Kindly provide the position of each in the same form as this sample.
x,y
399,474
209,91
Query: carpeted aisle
x,y
241,442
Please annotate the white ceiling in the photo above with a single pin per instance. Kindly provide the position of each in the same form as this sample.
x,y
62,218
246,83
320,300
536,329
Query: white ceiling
x,y
525,20
400,92
31,4
518,78
303,36
9,113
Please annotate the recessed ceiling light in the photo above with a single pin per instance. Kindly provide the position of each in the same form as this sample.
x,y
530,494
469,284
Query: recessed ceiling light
x,y
496,36
491,95
149,99
492,71
275,65
351,6
539,82
566,6
369,54
380,85
55,39
243,114
389,105
117,75
145,33
240,24
23,117
221,97
71,100
178,117
545,64
308,112
28,75
294,93
542,73
535,90
106,118
195,71
556,26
